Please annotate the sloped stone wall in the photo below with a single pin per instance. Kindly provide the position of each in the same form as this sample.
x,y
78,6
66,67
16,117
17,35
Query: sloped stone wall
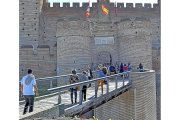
x,y
138,103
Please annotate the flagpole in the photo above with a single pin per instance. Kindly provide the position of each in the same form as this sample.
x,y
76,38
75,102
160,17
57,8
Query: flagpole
x,y
88,19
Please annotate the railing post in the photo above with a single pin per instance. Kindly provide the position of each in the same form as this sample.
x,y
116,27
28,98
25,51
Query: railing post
x,y
107,85
96,88
123,78
80,95
51,83
61,106
61,109
116,81
129,77
59,98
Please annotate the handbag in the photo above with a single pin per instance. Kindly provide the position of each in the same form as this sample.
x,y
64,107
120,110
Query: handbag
x,y
78,87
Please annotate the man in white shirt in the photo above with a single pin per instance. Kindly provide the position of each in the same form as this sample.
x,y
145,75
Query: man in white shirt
x,y
28,85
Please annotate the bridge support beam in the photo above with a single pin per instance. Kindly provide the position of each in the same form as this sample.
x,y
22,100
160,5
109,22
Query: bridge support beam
x,y
59,98
61,106
80,95
61,109
107,85
116,82
96,88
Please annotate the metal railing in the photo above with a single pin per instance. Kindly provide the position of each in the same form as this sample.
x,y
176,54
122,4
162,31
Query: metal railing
x,y
54,81
121,77
47,83
114,82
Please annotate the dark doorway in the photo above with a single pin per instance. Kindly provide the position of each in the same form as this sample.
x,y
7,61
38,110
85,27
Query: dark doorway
x,y
104,58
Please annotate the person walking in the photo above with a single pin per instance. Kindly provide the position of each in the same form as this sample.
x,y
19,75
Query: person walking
x,y
100,74
74,78
83,78
90,74
141,68
121,70
125,68
28,85
112,69
129,66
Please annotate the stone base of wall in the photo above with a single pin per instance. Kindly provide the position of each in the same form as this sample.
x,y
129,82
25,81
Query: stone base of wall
x,y
56,111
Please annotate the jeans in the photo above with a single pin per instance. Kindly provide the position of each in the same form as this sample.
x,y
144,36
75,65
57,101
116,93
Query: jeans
x,y
29,99
84,92
75,93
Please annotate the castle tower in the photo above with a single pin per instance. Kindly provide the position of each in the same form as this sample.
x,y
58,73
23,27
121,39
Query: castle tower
x,y
29,22
73,45
135,44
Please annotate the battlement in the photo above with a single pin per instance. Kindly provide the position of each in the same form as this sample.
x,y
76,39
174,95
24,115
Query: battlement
x,y
92,5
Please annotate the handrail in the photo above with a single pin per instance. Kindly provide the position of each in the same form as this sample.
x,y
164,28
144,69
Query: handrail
x,y
80,84
123,78
54,77
61,88
58,78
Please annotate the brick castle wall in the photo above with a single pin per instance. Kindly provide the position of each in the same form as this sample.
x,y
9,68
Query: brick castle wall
x,y
138,103
40,25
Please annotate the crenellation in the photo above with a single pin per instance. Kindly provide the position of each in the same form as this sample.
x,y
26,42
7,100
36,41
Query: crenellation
x,y
57,5
129,5
155,5
112,5
85,4
138,5
66,5
120,5
62,38
76,5
147,5
47,5
94,5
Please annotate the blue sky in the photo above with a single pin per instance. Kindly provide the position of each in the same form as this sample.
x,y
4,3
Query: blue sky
x,y
125,1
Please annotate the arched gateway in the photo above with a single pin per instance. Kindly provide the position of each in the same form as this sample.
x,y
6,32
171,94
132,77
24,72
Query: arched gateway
x,y
104,57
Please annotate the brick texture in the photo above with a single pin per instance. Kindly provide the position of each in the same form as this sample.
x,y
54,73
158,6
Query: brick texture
x,y
55,40
139,103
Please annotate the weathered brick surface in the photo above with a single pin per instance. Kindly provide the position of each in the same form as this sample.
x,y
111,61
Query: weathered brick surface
x,y
58,23
43,64
70,36
29,21
139,103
